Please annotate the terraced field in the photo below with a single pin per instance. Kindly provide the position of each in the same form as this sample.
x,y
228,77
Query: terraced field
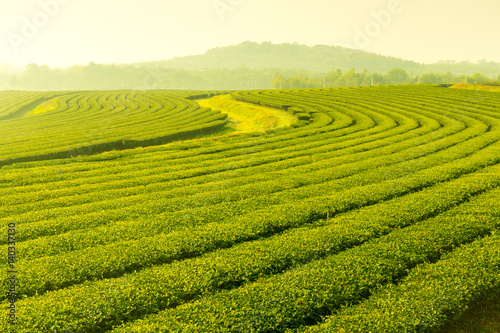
x,y
376,212
82,123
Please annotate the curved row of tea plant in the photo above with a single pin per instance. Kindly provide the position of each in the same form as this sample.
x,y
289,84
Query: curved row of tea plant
x,y
297,176
111,238
316,174
329,173
183,281
433,293
93,122
15,104
30,189
307,292
291,151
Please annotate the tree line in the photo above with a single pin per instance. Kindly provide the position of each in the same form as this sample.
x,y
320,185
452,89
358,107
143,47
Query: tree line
x,y
351,78
115,77
110,77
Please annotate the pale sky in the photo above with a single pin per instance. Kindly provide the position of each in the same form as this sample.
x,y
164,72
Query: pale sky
x,y
66,32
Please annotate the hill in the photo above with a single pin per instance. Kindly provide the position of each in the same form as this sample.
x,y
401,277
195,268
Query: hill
x,y
247,66
319,58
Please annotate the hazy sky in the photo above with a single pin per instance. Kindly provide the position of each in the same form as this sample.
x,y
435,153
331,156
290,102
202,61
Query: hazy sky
x,y
66,32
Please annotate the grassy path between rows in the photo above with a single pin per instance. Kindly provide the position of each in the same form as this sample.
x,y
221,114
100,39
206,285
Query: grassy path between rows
x,y
247,117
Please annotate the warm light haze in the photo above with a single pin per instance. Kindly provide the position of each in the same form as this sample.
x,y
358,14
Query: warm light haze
x,y
60,33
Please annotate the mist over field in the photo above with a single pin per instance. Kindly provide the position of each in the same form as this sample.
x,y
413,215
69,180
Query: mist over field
x,y
250,65
200,44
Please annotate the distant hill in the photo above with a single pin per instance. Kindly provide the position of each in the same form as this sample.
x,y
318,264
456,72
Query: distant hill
x,y
250,66
319,58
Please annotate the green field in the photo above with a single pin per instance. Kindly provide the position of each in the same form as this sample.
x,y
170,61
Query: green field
x,y
377,210
42,126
